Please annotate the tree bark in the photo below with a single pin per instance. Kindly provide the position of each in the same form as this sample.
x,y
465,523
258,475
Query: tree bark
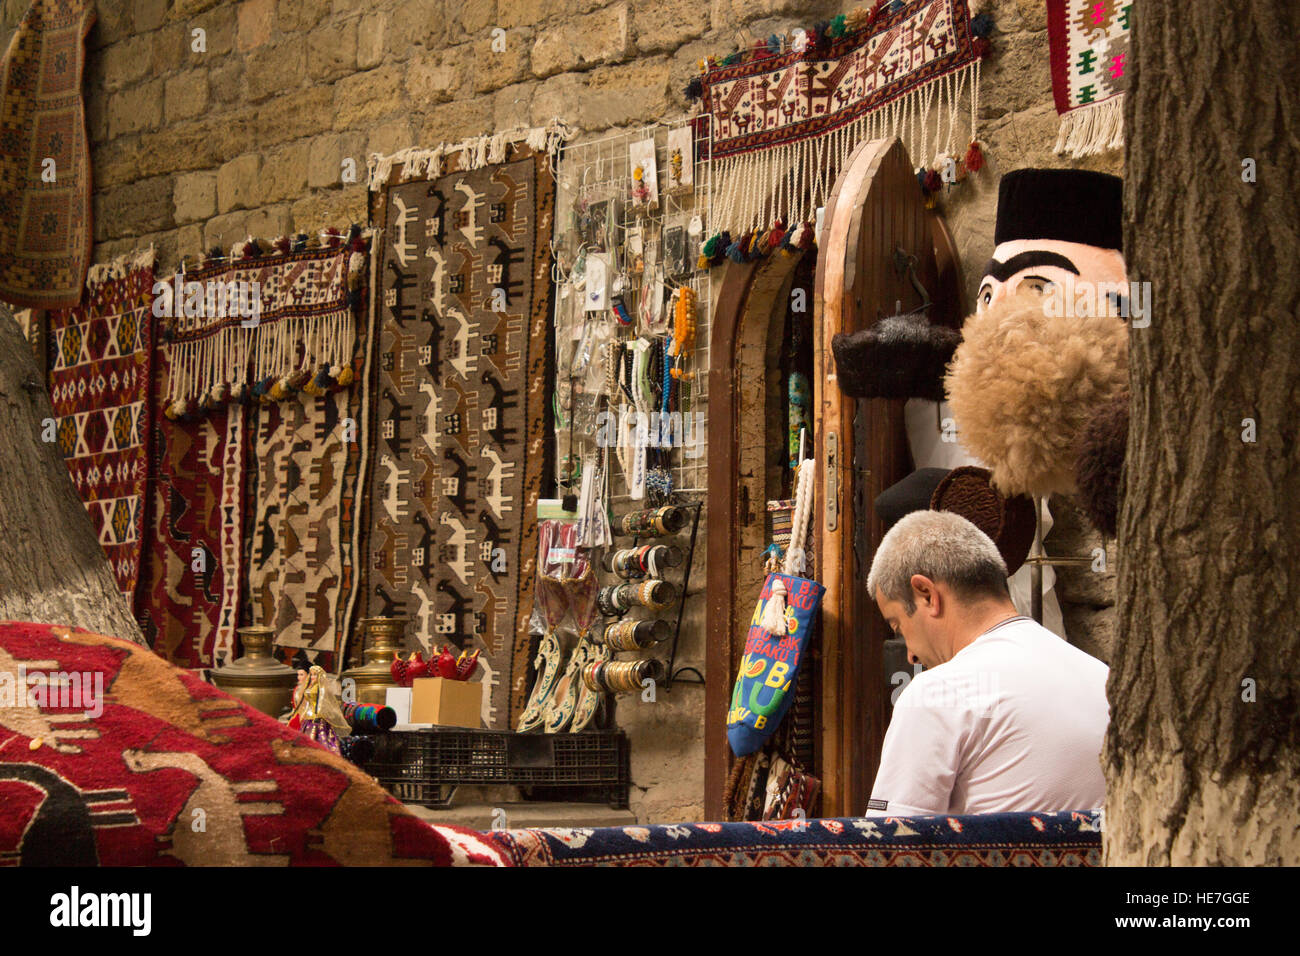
x,y
52,569
1200,770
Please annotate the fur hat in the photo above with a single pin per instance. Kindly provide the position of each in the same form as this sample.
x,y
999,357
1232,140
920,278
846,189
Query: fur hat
x,y
1023,384
1008,521
1069,205
912,493
1101,462
898,357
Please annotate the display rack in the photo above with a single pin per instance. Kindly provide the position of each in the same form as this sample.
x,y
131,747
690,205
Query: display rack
x,y
672,672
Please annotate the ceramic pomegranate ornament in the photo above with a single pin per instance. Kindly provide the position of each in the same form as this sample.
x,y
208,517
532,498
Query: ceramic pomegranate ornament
x,y
398,669
417,668
447,663
467,664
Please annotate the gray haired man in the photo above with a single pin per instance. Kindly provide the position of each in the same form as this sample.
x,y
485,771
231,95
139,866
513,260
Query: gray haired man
x,y
1006,716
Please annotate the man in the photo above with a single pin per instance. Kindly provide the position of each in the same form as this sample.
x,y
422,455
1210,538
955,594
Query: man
x,y
1006,716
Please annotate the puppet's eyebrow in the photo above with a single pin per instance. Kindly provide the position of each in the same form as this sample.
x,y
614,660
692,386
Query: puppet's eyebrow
x,y
1002,271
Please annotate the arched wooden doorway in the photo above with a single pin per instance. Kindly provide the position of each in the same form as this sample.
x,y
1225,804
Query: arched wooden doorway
x,y
861,449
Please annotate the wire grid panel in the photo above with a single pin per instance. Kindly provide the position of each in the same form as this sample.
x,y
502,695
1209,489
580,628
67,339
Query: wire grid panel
x,y
602,170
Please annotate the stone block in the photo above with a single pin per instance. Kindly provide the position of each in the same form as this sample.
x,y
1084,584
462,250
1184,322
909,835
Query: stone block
x,y
389,137
303,112
269,222
332,51
226,82
225,231
435,77
295,15
134,208
219,29
326,155
274,70
617,95
370,40
362,99
452,122
416,23
472,19
254,22
185,95
239,183
117,161
337,207
171,49
149,15
582,42
284,173
195,196
556,98
492,69
124,64
659,25
139,108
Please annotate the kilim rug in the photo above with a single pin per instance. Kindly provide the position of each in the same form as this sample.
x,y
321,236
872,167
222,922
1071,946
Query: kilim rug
x,y
1064,838
309,454
193,566
782,125
275,318
1089,43
44,160
100,369
461,400
301,572
118,777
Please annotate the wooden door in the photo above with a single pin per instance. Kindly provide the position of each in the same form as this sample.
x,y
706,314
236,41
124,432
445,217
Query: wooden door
x,y
861,446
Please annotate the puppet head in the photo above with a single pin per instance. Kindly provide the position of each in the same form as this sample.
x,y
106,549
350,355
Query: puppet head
x,y
1048,344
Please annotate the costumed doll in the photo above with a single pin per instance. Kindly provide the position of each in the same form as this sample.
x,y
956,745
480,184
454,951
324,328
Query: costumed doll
x,y
316,710
1057,238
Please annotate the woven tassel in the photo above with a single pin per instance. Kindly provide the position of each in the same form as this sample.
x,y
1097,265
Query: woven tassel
x,y
974,160
773,620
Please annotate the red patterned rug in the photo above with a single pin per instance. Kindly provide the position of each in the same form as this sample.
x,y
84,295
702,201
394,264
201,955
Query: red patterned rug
x,y
153,767
100,365
193,566
44,161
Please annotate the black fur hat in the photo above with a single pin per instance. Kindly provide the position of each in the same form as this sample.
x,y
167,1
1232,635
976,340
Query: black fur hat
x,y
898,357
1070,205
1101,461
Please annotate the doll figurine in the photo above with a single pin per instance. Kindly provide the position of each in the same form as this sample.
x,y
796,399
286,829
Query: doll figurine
x,y
316,711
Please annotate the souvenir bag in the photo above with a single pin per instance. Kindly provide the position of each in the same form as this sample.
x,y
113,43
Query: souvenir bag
x,y
778,638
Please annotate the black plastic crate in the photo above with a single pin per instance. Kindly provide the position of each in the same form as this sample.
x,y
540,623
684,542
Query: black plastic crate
x,y
426,766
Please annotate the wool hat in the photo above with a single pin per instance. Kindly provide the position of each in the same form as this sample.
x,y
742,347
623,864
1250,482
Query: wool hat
x,y
1068,205
1008,520
912,493
1101,462
898,357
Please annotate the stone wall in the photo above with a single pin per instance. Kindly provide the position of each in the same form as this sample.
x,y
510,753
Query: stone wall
x,y
201,144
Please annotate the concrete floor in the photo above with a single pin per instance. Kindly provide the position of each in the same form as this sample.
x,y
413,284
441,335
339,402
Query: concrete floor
x,y
513,816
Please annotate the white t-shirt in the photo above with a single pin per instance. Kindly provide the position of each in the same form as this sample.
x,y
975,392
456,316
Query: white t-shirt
x,y
1014,721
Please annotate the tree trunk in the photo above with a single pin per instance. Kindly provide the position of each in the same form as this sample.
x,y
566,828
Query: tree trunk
x,y
1203,753
52,569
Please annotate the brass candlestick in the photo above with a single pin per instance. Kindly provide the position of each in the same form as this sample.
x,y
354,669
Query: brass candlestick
x,y
373,678
257,678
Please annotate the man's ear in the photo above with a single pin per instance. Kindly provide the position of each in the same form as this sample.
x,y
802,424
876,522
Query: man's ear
x,y
925,591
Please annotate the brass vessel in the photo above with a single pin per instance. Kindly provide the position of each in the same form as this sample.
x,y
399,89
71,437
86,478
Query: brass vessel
x,y
257,678
385,635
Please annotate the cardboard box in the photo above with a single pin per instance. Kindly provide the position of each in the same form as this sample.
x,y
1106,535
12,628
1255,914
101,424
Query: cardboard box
x,y
446,703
